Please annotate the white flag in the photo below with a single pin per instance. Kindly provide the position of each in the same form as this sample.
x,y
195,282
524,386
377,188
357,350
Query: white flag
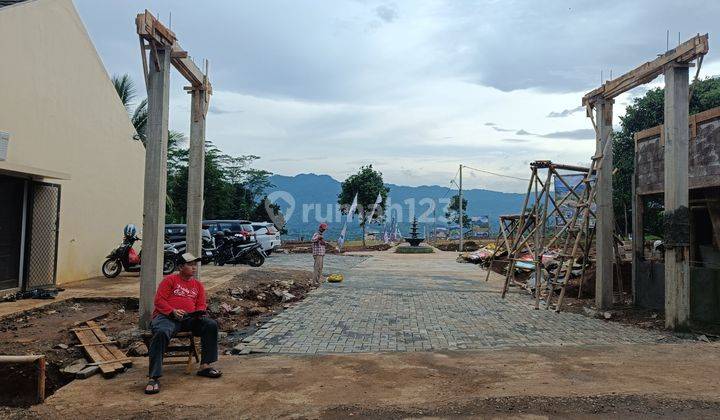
x,y
341,238
378,200
353,207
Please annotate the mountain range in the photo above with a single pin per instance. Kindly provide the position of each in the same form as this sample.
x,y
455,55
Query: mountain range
x,y
307,199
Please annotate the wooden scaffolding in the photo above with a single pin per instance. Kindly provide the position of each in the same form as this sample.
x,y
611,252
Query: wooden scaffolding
x,y
571,215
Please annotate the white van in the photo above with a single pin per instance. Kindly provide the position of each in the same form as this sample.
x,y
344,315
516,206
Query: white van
x,y
267,235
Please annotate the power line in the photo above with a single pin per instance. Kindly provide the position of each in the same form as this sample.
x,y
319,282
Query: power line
x,y
451,182
496,174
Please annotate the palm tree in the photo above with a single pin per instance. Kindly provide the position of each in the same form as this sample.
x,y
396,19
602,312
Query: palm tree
x,y
127,92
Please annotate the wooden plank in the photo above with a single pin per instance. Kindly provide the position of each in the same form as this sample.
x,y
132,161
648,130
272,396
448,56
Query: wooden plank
x,y
649,133
686,52
102,343
93,339
694,121
87,337
40,367
149,27
110,345
20,359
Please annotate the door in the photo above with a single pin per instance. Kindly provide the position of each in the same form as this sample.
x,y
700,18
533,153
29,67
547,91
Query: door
x,y
43,225
12,191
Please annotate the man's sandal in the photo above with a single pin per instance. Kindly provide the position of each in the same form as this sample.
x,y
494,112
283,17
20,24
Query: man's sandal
x,y
210,373
155,384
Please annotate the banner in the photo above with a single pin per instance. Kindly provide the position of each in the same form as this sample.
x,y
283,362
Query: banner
x,y
480,226
341,238
378,200
353,207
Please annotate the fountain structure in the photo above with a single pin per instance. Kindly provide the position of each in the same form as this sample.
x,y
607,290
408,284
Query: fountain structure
x,y
414,240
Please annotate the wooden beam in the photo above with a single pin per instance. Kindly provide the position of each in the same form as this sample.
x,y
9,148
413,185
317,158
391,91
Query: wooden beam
x,y
683,54
152,30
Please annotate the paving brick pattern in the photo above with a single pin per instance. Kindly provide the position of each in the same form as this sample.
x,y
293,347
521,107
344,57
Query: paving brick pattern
x,y
390,305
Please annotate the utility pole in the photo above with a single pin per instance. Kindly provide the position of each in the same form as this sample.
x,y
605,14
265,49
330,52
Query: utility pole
x,y
460,205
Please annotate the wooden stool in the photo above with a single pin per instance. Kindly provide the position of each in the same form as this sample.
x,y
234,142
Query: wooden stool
x,y
178,354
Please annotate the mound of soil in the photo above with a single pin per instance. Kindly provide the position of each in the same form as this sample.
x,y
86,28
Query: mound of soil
x,y
468,246
247,301
360,248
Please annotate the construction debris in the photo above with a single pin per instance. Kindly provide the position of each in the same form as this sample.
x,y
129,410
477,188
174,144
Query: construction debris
x,y
100,350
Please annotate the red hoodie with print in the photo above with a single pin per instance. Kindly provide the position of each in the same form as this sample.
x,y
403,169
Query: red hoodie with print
x,y
174,292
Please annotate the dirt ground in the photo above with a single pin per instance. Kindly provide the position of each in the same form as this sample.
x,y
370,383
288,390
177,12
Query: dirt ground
x,y
638,381
245,302
469,245
242,305
46,331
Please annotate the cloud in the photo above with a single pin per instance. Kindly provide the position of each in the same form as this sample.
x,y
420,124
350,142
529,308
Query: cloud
x,y
555,46
581,134
386,13
214,109
522,132
502,130
515,140
490,124
565,112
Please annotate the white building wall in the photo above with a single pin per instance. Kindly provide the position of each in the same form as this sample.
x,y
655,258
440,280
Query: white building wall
x,y
63,114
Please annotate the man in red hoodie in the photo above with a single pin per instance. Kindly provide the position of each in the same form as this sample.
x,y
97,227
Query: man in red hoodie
x,y
180,306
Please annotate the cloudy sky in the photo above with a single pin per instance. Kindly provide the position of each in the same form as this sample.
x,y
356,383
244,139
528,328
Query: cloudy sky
x,y
413,87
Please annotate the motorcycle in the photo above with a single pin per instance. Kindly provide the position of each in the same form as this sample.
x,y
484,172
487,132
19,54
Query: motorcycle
x,y
208,247
237,249
125,258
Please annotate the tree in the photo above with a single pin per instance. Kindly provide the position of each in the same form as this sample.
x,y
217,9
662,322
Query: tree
x,y
646,112
125,88
453,213
367,184
232,188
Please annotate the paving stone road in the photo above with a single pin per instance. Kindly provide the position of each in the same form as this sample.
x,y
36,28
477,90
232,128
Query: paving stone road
x,y
391,302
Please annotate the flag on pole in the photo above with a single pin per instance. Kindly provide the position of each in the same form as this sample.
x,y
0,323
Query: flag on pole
x,y
378,200
341,238
353,207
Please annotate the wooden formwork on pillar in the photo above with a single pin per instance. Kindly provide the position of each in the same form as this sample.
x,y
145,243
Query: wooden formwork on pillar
x,y
674,65
160,49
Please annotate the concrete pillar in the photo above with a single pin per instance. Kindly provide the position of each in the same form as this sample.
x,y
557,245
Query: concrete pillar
x,y
460,209
196,172
638,235
155,181
677,214
605,222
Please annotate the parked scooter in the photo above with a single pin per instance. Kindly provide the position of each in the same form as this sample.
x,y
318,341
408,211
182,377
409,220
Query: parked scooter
x,y
236,249
125,258
208,247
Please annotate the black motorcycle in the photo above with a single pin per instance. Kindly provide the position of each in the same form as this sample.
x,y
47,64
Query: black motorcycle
x,y
237,249
208,247
124,258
